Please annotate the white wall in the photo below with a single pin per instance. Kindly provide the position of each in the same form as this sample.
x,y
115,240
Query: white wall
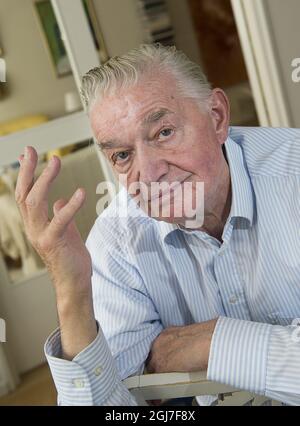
x,y
119,21
122,29
185,36
284,20
33,85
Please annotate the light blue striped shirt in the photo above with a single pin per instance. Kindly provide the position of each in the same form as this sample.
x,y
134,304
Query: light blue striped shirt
x,y
149,275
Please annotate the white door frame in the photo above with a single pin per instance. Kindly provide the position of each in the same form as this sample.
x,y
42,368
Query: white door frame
x,y
81,51
262,64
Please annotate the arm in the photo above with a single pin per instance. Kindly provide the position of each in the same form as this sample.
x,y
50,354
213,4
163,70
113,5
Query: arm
x,y
59,244
128,320
258,357
182,349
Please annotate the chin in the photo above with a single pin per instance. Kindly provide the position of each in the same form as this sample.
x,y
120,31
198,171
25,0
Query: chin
x,y
171,219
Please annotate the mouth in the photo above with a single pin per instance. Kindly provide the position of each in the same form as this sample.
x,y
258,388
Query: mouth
x,y
169,192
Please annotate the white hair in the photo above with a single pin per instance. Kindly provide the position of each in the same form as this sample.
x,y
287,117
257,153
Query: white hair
x,y
126,70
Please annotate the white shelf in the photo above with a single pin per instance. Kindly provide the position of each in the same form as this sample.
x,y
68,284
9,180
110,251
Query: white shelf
x,y
17,277
53,134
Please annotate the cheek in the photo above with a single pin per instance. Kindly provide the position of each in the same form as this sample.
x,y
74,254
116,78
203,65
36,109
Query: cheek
x,y
203,152
199,160
130,179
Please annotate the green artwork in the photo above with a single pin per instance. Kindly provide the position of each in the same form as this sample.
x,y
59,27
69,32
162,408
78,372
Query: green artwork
x,y
53,38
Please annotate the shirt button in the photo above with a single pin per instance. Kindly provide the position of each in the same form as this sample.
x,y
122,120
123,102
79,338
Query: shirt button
x,y
98,371
78,383
233,300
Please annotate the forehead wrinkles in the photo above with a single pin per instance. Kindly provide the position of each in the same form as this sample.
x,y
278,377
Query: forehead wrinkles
x,y
128,110
107,115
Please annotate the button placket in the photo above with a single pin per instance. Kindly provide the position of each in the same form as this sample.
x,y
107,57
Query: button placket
x,y
98,370
232,298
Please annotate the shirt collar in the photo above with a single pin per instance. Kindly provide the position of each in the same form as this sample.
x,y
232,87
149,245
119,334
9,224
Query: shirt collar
x,y
166,228
242,195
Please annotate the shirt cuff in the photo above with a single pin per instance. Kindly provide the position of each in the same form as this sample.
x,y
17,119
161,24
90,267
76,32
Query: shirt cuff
x,y
283,376
239,354
89,379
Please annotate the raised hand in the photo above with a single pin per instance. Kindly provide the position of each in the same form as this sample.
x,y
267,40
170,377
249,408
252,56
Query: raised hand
x,y
58,241
59,244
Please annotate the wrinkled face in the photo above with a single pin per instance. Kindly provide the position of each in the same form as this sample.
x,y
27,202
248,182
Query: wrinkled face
x,y
152,134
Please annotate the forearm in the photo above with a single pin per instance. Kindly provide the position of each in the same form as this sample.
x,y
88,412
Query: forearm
x,y
79,357
76,319
182,348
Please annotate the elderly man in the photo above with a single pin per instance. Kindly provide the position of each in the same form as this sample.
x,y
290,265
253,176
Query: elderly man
x,y
151,291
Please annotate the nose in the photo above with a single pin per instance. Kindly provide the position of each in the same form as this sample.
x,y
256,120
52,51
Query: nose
x,y
151,165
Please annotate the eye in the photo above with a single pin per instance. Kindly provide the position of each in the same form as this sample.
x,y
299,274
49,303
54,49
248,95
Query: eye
x,y
120,157
164,133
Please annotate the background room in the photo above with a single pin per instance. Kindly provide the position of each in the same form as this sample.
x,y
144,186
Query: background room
x,y
247,48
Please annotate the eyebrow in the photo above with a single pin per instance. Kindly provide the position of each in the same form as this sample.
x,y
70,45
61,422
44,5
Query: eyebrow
x,y
108,144
151,118
155,116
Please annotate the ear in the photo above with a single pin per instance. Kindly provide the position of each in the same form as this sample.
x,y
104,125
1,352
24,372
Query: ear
x,y
219,110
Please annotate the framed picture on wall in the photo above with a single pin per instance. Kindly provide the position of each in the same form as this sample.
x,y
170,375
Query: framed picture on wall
x,y
52,36
95,30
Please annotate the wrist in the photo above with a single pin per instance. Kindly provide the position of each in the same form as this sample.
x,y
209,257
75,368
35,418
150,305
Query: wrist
x,y
74,303
212,327
73,289
77,323
206,331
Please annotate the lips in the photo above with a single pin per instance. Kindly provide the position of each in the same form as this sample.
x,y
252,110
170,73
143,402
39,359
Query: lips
x,y
169,191
161,194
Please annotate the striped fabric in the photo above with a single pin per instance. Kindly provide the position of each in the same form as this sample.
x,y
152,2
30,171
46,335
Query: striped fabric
x,y
149,275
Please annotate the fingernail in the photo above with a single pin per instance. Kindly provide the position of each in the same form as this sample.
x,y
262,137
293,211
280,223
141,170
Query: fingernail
x,y
51,161
26,152
78,194
20,158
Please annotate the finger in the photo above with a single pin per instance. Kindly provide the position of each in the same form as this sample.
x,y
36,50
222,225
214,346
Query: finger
x,y
65,215
26,175
37,198
58,205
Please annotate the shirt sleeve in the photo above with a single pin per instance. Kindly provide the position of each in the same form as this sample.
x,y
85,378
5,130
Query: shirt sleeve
x,y
128,323
257,357
91,378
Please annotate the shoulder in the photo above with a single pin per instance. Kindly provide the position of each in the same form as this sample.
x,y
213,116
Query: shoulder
x,y
269,151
